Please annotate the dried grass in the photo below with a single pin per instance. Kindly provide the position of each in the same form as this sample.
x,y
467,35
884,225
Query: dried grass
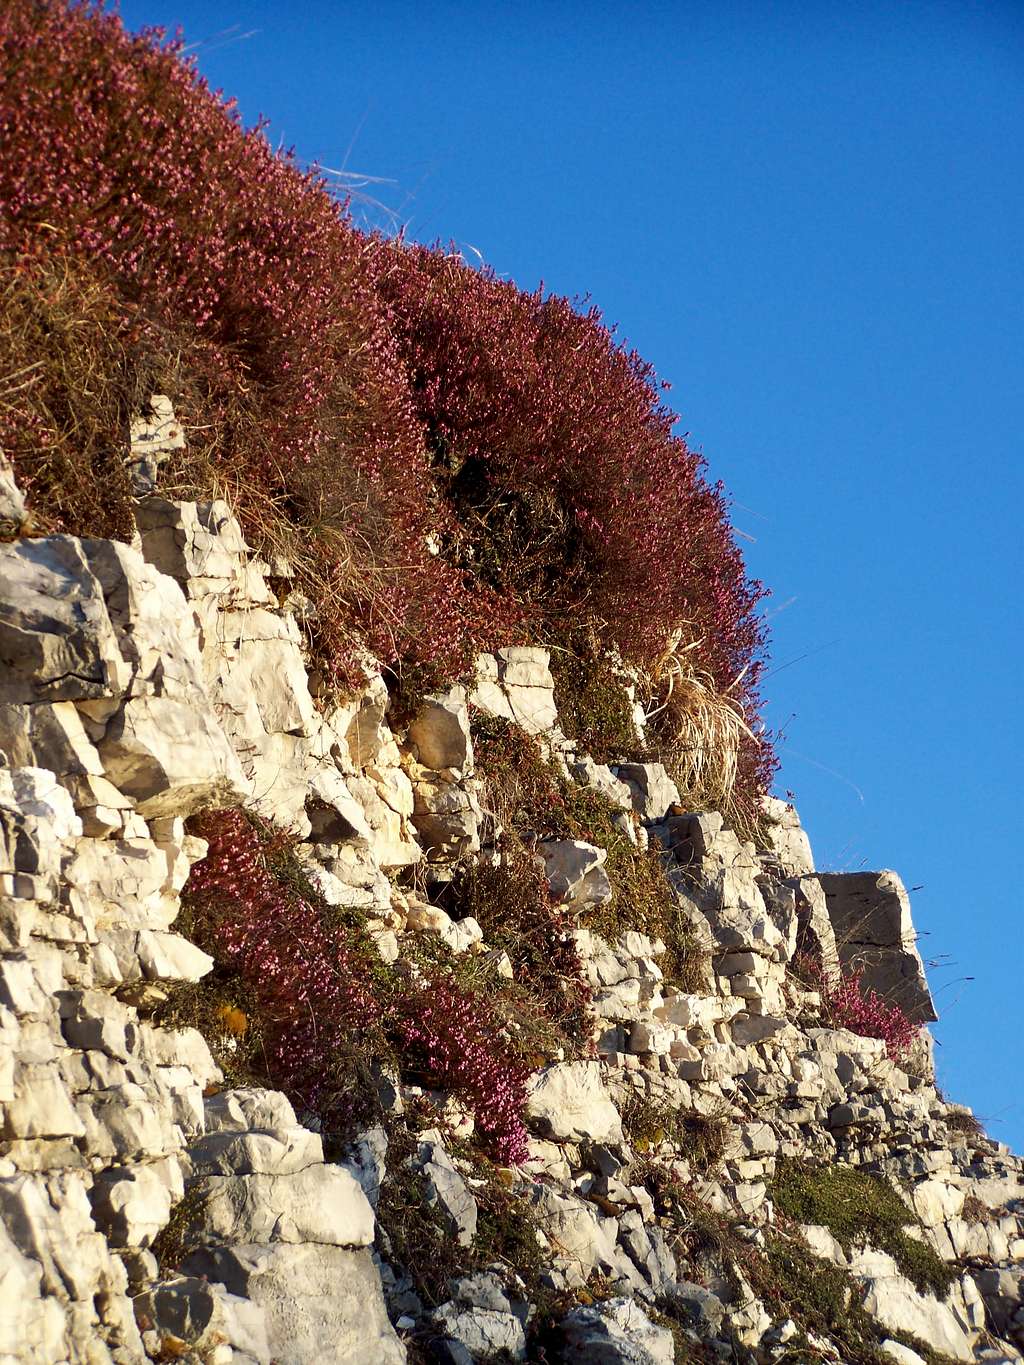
x,y
71,373
703,730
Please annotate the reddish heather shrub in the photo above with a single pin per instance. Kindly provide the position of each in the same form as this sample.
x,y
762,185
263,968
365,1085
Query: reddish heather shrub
x,y
533,411
319,988
311,987
862,1010
453,462
114,150
847,1003
446,1029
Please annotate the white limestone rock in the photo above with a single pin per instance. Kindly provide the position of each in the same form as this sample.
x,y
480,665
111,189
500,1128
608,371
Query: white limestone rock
x,y
615,1332
274,1151
169,957
582,1240
576,871
57,642
322,1204
652,791
790,844
600,778
319,1302
898,1305
440,735
516,684
13,513
870,914
132,1204
242,1109
447,1190
205,1318
569,1102
485,1333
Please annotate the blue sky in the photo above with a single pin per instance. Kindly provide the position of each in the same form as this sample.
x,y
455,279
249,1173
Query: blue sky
x,y
809,217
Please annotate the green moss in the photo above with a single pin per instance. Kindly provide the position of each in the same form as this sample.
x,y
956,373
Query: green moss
x,y
593,706
698,1138
860,1208
531,798
823,1299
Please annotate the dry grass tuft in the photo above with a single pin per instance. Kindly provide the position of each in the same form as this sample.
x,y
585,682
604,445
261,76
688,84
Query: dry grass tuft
x,y
72,371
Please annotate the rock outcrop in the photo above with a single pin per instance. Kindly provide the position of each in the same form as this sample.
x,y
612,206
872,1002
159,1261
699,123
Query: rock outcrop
x,y
151,1212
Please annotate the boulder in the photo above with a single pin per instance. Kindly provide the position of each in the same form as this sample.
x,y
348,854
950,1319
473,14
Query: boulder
x,y
486,1333
791,848
870,914
582,1240
319,1303
280,1151
13,513
321,1204
57,642
576,871
600,778
446,1190
516,684
652,792
133,1204
440,735
616,1332
569,1103
203,1316
898,1305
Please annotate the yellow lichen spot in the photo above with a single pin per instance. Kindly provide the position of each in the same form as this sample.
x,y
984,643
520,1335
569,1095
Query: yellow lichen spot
x,y
234,1020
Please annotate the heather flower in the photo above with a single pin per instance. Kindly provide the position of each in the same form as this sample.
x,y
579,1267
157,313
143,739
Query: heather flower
x,y
318,991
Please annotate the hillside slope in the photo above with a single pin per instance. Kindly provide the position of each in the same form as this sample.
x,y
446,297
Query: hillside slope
x,y
594,1079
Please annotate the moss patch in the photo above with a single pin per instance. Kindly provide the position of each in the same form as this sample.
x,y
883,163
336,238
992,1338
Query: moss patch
x,y
858,1208
593,706
825,1300
698,1138
530,798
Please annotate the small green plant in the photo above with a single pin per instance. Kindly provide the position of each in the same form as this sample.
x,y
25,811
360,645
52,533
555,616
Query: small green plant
x,y
593,706
858,1208
171,1244
699,1138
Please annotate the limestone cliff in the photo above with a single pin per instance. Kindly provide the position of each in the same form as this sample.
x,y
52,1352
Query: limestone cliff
x,y
720,1171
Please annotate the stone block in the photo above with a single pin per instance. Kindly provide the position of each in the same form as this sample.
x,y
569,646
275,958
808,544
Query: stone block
x,y
569,1102
320,1303
870,915
575,871
439,735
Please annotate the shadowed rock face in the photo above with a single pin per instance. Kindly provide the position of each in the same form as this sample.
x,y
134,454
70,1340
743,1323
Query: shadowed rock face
x,y
870,913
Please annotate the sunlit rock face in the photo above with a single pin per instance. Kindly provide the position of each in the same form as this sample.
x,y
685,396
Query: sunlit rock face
x,y
149,1211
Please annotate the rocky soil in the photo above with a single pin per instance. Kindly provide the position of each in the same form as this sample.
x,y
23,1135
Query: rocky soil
x,y
720,1174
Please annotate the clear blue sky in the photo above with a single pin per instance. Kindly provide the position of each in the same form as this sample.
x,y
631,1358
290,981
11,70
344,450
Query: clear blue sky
x,y
810,218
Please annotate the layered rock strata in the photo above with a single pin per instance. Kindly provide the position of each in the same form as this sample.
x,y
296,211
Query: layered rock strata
x,y
140,684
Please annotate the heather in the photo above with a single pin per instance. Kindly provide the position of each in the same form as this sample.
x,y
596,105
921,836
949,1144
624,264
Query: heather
x,y
325,1001
847,1003
448,462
